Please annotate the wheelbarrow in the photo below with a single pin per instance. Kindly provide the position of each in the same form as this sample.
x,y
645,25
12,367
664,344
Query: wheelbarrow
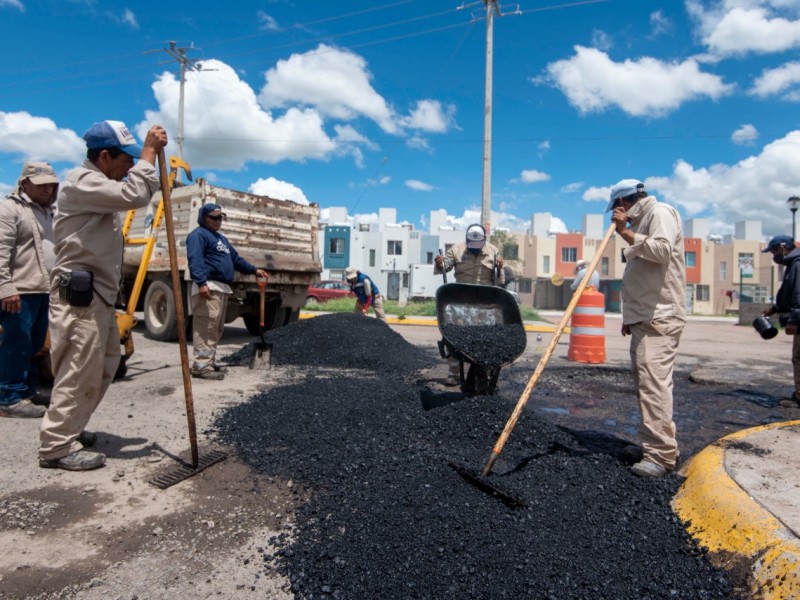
x,y
481,327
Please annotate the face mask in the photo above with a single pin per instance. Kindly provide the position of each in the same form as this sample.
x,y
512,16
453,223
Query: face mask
x,y
778,259
474,251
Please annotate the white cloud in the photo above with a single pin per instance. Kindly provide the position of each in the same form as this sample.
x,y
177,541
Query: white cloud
x,y
280,190
13,4
571,188
533,176
783,80
740,26
416,142
225,127
543,147
601,40
746,135
335,82
384,180
430,115
646,87
659,23
266,22
755,188
129,18
38,138
597,194
420,186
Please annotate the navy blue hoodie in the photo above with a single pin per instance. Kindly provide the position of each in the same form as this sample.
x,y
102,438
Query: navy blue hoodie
x,y
211,256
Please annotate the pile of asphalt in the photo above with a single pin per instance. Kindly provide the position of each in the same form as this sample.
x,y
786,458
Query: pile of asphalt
x,y
386,516
487,345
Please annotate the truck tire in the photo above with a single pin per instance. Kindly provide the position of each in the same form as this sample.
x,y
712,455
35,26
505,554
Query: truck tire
x,y
293,315
159,312
273,318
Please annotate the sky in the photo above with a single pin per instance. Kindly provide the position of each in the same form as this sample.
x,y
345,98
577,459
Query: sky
x,y
369,105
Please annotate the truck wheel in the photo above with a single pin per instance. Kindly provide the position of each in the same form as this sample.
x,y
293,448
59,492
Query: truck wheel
x,y
159,312
251,323
293,315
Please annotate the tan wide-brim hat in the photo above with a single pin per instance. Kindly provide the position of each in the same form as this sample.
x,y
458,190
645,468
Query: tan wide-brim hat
x,y
38,173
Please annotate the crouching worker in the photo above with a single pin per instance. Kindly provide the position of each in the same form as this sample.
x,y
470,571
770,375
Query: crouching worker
x,y
212,262
367,293
84,339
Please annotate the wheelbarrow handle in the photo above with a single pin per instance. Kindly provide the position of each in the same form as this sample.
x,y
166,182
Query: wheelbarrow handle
x,y
444,272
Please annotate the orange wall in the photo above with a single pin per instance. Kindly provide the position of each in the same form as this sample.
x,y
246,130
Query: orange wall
x,y
693,273
568,240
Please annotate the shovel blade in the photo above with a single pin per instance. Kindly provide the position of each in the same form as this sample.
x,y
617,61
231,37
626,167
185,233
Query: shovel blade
x,y
261,356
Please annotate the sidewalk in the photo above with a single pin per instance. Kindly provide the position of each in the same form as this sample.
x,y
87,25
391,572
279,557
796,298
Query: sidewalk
x,y
741,495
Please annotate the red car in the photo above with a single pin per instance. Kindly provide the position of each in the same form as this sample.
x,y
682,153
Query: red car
x,y
328,290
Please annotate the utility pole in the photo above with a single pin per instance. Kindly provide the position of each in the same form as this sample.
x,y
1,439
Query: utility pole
x,y
486,204
179,54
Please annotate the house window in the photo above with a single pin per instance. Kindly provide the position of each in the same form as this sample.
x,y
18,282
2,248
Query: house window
x,y
394,247
511,252
405,280
723,271
604,265
569,255
691,259
429,258
545,264
524,286
372,258
337,246
702,293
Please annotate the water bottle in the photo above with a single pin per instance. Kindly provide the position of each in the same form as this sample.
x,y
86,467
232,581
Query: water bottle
x,y
539,343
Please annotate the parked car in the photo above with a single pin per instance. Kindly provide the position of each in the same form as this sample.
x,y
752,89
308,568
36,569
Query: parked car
x,y
328,290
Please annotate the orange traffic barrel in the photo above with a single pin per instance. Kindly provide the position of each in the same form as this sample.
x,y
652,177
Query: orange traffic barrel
x,y
587,337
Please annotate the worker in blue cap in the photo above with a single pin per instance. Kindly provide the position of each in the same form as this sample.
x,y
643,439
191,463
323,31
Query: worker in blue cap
x,y
787,304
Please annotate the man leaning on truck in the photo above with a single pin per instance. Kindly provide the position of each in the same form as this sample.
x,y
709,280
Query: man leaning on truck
x,y
84,339
212,262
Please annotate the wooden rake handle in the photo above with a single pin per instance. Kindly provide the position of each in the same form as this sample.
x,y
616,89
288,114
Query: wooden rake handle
x,y
526,393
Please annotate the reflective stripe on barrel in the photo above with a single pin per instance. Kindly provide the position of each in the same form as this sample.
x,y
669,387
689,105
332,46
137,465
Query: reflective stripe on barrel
x,y
587,337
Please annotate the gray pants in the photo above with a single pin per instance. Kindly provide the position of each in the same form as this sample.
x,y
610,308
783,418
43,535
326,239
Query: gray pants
x,y
208,323
84,351
654,346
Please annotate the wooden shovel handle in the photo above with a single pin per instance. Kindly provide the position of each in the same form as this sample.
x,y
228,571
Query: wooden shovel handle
x,y
262,284
526,393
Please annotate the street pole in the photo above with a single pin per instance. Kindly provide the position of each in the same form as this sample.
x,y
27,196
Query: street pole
x,y
794,204
179,54
486,204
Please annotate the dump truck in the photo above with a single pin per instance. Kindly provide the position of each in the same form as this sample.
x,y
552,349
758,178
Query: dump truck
x,y
279,236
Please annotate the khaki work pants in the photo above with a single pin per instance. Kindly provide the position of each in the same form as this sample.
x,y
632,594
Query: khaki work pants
x,y
377,306
654,346
84,352
208,323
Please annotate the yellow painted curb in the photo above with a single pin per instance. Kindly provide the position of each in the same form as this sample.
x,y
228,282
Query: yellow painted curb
x,y
431,322
723,517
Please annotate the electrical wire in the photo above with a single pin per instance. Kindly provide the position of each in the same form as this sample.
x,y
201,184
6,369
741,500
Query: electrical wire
x,y
374,176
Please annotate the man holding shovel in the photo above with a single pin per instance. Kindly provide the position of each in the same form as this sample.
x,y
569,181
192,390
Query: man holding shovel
x,y
212,262
653,313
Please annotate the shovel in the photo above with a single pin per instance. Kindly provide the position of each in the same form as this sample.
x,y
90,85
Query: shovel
x,y
261,358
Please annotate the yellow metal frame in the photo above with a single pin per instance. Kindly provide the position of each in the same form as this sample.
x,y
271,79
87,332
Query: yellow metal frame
x,y
126,320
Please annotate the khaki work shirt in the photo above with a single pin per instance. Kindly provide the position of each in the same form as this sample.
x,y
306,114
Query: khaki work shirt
x,y
654,281
473,268
88,227
26,246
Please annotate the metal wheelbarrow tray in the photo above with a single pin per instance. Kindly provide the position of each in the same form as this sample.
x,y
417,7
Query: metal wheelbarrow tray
x,y
480,325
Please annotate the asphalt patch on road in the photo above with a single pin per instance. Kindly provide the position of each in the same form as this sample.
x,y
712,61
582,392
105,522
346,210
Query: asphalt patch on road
x,y
387,517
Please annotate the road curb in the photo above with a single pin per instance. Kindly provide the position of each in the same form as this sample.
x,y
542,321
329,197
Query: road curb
x,y
431,322
722,516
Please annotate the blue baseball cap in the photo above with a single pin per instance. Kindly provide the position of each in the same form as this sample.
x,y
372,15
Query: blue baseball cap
x,y
779,240
112,134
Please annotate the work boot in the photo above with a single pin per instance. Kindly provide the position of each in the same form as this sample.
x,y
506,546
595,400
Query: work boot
x,y
87,439
24,409
209,374
219,369
80,460
646,468
452,381
793,402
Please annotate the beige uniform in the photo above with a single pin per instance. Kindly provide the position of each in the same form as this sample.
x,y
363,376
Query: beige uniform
x,y
85,345
26,246
654,307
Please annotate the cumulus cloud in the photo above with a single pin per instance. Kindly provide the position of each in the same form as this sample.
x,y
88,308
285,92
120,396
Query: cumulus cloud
x,y
755,188
420,186
431,115
746,135
646,87
735,27
783,80
38,138
280,190
499,219
531,176
659,23
336,82
225,127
